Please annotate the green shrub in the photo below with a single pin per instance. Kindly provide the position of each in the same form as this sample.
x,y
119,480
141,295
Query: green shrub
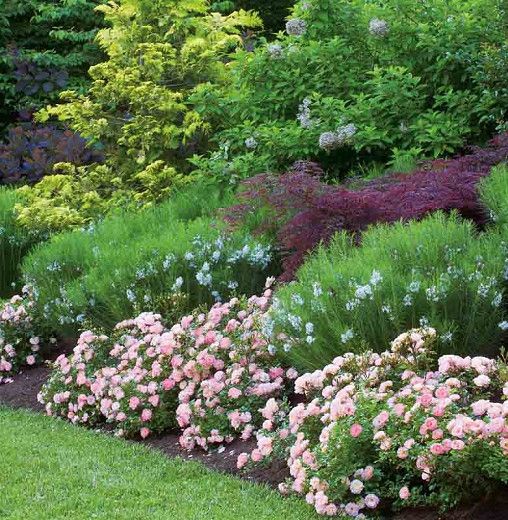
x,y
358,81
138,108
494,192
14,243
436,272
272,12
168,259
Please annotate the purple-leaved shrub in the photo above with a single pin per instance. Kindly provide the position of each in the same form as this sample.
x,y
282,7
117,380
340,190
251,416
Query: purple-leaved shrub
x,y
31,151
303,211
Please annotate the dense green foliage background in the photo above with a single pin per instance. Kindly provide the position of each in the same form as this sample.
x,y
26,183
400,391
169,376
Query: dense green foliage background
x,y
414,79
44,47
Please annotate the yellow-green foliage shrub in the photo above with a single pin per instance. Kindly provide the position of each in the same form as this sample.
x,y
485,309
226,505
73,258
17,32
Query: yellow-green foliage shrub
x,y
137,107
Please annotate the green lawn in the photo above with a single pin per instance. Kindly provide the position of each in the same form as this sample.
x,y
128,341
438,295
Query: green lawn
x,y
51,470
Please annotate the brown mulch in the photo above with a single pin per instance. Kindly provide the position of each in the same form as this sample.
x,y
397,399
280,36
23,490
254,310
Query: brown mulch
x,y
22,393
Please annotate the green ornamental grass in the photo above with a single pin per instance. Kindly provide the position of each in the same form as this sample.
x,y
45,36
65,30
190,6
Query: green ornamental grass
x,y
170,259
438,272
14,242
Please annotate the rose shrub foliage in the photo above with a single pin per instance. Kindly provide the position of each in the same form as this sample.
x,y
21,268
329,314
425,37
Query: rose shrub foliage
x,y
20,343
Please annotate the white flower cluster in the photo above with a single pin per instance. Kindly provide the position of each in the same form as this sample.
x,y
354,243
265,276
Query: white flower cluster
x,y
276,51
212,264
347,336
257,256
328,141
332,140
60,308
379,28
251,143
304,114
203,276
296,27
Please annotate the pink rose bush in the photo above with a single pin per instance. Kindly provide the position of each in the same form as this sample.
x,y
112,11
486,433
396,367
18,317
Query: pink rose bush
x,y
69,391
242,377
209,373
230,374
366,434
119,380
19,343
392,429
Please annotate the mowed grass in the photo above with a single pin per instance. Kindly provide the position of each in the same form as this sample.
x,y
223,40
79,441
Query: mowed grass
x,y
52,470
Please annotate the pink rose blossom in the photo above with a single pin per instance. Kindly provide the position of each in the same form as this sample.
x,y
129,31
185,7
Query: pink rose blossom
x,y
146,415
356,430
134,402
243,458
404,493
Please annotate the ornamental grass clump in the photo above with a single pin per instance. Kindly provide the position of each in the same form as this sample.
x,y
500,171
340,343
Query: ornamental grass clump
x,y
378,432
20,341
439,271
15,243
169,259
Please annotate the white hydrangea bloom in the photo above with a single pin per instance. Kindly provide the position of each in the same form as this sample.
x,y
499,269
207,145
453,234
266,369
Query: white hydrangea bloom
x,y
296,27
346,133
275,51
332,140
304,114
251,143
379,28
328,141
